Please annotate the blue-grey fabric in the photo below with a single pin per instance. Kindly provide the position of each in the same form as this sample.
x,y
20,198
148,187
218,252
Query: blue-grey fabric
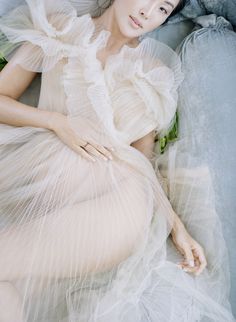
x,y
208,102
172,34
195,8
225,8
207,106
7,5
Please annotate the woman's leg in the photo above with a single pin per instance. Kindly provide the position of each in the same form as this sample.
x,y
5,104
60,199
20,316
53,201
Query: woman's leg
x,y
10,303
92,236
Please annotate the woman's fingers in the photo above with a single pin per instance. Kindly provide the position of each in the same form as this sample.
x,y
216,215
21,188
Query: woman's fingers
x,y
82,152
199,254
189,264
189,255
196,261
97,151
90,150
69,137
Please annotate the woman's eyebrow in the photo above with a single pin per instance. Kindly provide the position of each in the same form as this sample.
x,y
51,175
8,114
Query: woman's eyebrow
x,y
170,4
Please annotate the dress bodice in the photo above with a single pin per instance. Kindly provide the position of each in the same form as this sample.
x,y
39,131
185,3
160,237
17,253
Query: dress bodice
x,y
135,92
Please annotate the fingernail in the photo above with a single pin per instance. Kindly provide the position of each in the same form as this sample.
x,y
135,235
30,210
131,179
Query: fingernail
x,y
191,263
185,269
110,157
112,149
104,158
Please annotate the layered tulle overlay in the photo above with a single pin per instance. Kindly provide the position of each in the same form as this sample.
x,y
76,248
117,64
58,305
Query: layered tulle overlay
x,y
88,241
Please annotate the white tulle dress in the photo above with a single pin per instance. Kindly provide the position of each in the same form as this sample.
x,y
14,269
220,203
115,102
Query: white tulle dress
x,y
89,241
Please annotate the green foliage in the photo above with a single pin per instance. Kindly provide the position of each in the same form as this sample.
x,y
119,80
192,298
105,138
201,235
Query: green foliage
x,y
171,136
3,62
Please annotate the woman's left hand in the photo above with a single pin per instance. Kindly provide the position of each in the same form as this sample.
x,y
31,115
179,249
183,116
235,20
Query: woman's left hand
x,y
195,260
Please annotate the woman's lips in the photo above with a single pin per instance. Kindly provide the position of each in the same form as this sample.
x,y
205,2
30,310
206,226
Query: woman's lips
x,y
137,23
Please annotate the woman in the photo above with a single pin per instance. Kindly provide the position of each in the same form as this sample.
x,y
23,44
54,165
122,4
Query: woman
x,y
83,239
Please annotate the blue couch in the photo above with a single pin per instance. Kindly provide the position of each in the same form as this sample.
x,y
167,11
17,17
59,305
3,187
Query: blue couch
x,y
206,43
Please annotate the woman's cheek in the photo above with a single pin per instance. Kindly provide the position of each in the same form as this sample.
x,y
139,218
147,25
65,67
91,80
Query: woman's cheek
x,y
157,23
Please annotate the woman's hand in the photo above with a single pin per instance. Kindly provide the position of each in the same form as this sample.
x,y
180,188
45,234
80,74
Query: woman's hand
x,y
59,124
195,260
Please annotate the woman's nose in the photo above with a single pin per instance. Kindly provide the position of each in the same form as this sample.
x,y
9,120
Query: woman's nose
x,y
147,11
142,13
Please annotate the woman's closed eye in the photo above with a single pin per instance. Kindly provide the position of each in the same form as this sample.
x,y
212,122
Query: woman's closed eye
x,y
165,11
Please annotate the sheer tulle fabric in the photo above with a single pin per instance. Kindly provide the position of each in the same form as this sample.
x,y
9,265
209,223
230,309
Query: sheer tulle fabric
x,y
83,241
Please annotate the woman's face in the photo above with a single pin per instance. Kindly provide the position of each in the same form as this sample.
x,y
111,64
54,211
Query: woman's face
x,y
136,17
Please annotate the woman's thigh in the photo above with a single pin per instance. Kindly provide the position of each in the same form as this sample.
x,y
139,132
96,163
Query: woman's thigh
x,y
90,236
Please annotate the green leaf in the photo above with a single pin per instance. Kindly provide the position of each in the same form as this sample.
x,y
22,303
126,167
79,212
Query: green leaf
x,y
3,62
171,135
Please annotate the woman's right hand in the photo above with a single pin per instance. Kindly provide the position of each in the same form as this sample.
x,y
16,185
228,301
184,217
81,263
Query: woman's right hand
x,y
59,124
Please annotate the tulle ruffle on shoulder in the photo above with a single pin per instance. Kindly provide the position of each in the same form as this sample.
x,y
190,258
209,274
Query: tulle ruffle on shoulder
x,y
46,31
152,71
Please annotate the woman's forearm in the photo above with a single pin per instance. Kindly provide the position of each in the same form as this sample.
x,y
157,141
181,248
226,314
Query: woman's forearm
x,y
177,223
16,113
145,145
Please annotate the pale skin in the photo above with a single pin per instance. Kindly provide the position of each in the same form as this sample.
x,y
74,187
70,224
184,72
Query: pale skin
x,y
14,80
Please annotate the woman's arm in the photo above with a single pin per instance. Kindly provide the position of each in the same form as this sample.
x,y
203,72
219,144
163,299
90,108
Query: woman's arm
x,y
13,82
145,144
195,260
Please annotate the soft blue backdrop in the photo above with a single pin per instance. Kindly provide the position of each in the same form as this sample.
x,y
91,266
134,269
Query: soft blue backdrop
x,y
207,45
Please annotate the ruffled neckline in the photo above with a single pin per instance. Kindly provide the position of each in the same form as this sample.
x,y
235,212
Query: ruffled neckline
x,y
149,55
98,27
148,59
98,36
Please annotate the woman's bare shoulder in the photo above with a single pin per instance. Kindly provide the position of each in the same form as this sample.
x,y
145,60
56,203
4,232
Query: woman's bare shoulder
x,y
14,79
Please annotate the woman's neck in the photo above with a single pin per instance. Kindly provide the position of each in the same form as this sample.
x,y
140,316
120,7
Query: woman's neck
x,y
108,21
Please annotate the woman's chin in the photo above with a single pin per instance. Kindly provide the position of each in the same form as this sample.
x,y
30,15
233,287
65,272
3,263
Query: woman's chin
x,y
129,33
